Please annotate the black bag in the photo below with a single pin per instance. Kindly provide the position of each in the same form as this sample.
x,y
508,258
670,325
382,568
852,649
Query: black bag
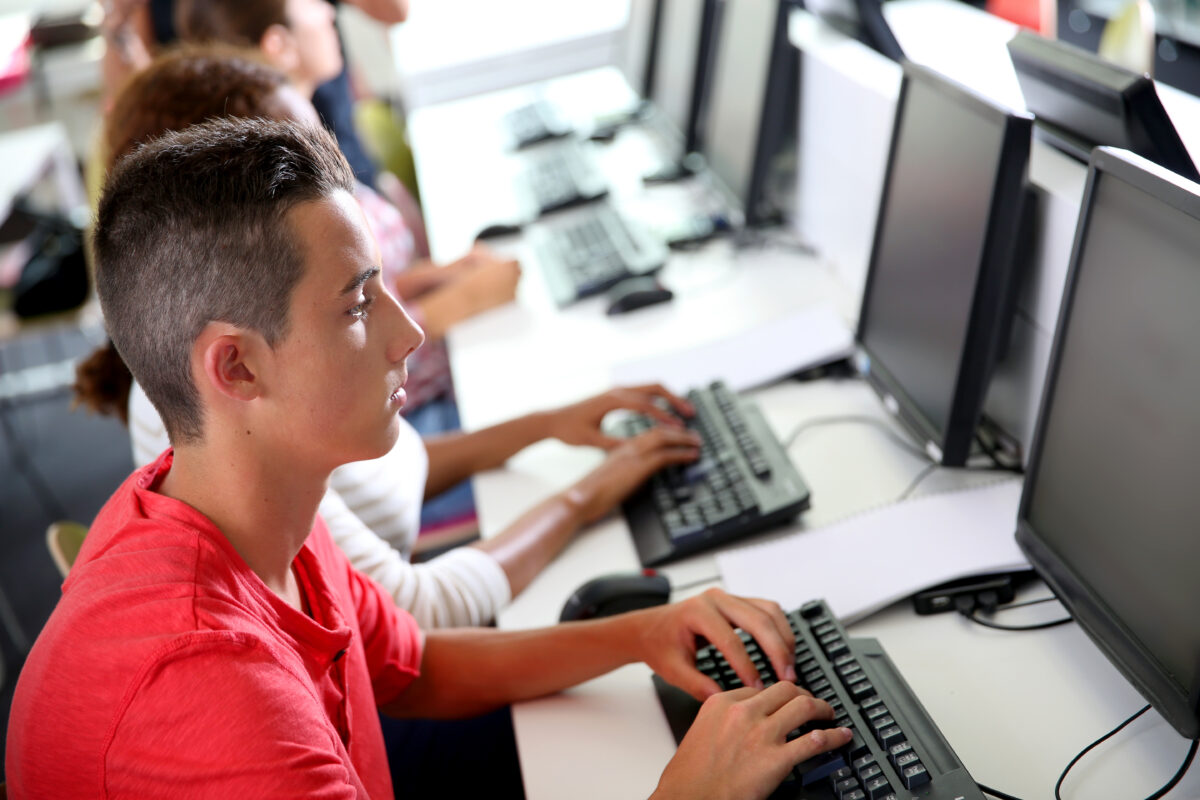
x,y
55,278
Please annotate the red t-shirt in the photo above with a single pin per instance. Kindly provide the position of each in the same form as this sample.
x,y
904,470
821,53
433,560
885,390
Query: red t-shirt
x,y
169,669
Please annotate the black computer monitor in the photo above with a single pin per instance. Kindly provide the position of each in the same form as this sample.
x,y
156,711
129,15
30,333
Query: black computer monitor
x,y
1109,509
679,62
1081,101
861,19
747,58
938,299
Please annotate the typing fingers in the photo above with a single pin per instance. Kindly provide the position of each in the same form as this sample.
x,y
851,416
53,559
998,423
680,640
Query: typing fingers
x,y
767,626
680,404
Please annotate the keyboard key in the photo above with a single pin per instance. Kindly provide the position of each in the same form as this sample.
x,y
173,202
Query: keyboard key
x,y
870,773
897,750
839,775
877,787
861,763
876,712
890,735
843,788
857,794
870,702
836,648
812,609
819,767
914,775
879,723
861,690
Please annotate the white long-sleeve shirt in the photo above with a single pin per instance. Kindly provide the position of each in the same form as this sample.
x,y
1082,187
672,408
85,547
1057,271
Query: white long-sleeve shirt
x,y
372,509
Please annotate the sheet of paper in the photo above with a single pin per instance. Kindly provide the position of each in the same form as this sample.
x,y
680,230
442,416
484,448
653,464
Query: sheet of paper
x,y
764,353
870,560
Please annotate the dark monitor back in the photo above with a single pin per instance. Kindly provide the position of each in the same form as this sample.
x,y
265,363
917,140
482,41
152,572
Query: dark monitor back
x,y
1109,511
941,277
861,19
742,66
682,48
1081,101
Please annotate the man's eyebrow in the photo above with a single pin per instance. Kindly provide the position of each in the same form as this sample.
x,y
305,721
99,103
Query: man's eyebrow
x,y
358,280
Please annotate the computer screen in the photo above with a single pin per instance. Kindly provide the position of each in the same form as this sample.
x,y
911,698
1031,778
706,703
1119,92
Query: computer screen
x,y
731,123
940,284
1109,510
680,53
1081,101
861,19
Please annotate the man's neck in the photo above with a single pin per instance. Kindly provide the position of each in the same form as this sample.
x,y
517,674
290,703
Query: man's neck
x,y
264,511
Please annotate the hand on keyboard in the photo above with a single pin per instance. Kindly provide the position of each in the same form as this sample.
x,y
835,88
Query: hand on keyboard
x,y
629,466
670,644
580,423
739,745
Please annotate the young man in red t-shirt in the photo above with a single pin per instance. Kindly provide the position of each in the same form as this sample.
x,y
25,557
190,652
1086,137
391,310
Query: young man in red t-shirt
x,y
211,641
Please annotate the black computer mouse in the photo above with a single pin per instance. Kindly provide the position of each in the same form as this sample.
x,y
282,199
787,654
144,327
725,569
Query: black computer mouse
x,y
498,229
616,594
634,293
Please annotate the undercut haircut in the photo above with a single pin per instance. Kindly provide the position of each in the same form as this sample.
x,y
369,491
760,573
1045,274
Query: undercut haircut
x,y
240,22
193,228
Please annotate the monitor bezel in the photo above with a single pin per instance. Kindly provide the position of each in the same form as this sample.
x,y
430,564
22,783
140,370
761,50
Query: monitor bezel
x,y
1111,89
702,75
784,58
1178,704
994,287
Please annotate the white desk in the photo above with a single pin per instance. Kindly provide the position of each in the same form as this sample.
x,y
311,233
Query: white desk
x,y
466,172
456,48
1016,706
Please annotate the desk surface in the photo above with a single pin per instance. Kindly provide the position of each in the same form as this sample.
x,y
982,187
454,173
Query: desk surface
x,y
1015,706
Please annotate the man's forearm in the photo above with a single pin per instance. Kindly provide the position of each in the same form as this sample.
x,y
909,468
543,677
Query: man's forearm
x,y
530,542
466,672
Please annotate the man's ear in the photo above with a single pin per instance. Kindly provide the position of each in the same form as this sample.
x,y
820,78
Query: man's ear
x,y
228,360
279,46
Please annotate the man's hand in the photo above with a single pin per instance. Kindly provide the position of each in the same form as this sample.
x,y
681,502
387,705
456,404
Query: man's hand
x,y
737,748
628,466
486,282
669,639
579,423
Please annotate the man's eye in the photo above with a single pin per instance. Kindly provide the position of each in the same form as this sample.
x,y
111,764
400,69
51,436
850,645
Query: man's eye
x,y
361,310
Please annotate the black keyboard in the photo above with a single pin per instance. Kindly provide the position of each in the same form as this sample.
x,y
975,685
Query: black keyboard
x,y
562,177
897,752
742,483
534,123
585,255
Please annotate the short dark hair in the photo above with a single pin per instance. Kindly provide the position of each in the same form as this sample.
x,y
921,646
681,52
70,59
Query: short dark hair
x,y
240,22
193,228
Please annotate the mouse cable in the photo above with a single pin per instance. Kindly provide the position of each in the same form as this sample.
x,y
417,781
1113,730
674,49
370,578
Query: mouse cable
x,y
1187,759
969,606
993,453
995,792
929,469
862,419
